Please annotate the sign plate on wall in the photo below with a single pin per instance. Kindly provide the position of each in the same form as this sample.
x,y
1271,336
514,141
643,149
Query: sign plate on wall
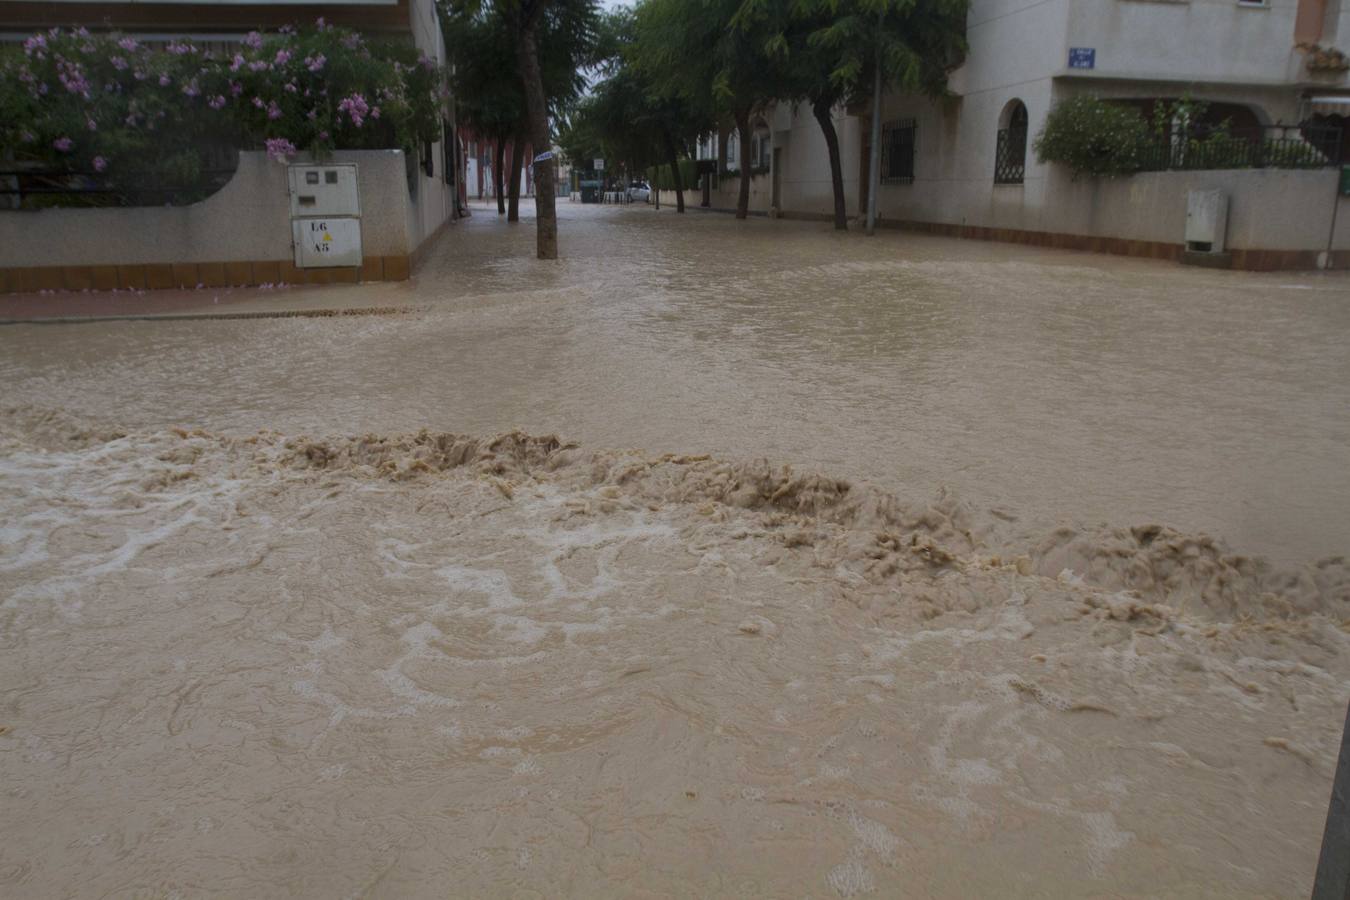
x,y
320,243
1082,57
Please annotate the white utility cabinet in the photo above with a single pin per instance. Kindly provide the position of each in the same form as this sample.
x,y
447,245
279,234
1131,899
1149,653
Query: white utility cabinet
x,y
325,214
1206,221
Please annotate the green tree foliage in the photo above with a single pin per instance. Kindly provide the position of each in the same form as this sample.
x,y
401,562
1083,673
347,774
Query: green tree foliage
x,y
825,52
1094,137
540,47
689,51
628,120
729,58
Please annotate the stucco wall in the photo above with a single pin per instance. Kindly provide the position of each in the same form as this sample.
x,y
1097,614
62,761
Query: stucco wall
x,y
1268,209
247,219
433,199
1190,40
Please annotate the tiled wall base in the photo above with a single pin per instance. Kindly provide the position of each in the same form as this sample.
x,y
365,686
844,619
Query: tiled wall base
x,y
1252,260
190,275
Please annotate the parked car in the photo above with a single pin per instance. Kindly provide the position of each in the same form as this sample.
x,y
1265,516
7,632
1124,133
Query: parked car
x,y
639,192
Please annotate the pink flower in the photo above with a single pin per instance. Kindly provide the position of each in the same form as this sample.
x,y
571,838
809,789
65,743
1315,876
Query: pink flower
x,y
375,112
258,102
216,102
64,144
236,89
100,164
290,87
257,66
280,149
91,124
118,63
236,63
273,111
254,40
128,44
164,80
315,63
282,57
355,107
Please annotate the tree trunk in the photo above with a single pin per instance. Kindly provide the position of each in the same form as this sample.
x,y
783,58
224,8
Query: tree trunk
x,y
675,173
536,109
499,174
822,110
743,128
513,187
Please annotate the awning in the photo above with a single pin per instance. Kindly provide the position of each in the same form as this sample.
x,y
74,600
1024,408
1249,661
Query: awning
x,y
1330,104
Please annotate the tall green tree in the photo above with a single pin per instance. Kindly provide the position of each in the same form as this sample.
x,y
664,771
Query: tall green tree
x,y
487,98
690,51
629,118
825,52
551,43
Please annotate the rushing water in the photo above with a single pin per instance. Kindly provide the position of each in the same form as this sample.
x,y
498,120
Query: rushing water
x,y
990,652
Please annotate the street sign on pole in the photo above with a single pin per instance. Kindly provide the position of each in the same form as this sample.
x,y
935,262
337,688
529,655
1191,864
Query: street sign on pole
x,y
599,165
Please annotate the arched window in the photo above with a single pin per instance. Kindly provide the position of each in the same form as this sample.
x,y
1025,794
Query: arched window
x,y
1010,157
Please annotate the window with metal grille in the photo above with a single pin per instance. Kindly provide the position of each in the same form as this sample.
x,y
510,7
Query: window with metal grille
x,y
897,152
1010,156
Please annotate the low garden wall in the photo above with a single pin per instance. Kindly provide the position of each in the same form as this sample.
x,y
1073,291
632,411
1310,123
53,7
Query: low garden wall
x,y
241,235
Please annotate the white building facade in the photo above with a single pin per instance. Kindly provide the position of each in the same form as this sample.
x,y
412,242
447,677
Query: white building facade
x,y
1257,65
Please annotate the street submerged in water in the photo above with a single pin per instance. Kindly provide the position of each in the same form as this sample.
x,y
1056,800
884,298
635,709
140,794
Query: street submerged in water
x,y
945,569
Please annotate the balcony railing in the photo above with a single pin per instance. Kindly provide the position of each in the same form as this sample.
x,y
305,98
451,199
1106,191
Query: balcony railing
x,y
1273,147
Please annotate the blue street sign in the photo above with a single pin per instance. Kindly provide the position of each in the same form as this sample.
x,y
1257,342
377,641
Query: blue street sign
x,y
1082,57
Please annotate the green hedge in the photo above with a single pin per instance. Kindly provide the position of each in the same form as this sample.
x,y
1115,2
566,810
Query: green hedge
x,y
659,176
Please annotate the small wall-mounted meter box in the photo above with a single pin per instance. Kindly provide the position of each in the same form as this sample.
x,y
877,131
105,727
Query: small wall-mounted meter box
x,y
325,215
318,190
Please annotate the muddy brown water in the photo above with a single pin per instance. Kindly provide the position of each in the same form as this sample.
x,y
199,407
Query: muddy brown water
x,y
945,569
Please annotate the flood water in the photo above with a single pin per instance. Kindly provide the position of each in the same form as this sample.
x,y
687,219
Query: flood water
x,y
903,565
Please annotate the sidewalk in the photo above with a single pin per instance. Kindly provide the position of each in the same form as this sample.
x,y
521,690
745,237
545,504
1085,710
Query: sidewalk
x,y
208,303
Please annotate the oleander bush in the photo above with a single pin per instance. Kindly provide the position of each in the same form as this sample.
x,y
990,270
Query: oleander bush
x,y
125,112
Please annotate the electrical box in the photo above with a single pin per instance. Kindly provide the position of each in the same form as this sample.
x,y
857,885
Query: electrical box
x,y
321,243
1206,221
325,215
324,190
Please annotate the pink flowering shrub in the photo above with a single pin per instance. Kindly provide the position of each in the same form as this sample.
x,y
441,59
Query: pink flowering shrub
x,y
141,114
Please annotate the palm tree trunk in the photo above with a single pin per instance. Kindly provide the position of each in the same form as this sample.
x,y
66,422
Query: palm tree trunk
x,y
536,110
499,174
822,111
513,187
675,173
743,127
